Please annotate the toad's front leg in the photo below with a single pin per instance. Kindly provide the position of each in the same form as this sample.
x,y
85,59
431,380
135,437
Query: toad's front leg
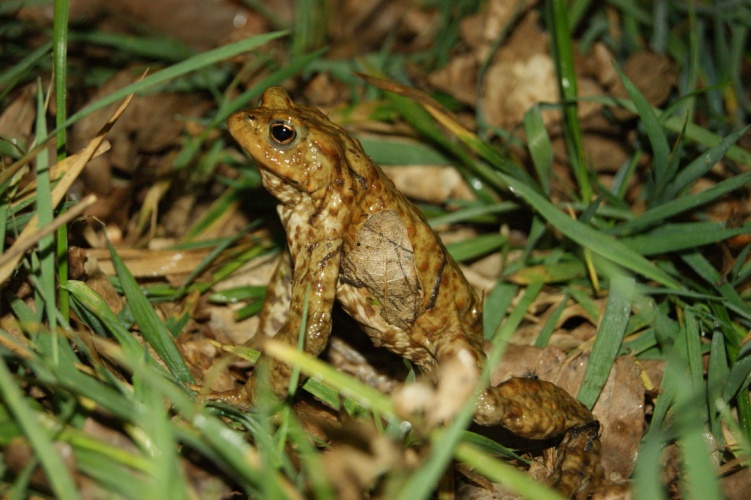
x,y
316,270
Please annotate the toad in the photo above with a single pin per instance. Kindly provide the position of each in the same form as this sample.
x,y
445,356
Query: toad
x,y
353,238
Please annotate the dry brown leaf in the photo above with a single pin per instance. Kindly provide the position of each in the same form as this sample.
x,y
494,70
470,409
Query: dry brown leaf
x,y
358,455
653,74
17,119
521,75
356,26
458,77
620,410
71,167
736,485
148,126
199,24
10,258
18,454
429,183
151,263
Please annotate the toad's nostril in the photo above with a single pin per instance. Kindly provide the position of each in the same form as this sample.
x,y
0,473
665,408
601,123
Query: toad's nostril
x,y
251,117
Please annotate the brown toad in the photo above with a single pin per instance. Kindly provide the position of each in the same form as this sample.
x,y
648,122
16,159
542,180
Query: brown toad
x,y
353,238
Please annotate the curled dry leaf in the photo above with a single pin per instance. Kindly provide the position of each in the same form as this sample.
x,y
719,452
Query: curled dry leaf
x,y
521,72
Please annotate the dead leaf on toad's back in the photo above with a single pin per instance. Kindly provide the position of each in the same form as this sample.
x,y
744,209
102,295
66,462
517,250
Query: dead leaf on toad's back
x,y
383,262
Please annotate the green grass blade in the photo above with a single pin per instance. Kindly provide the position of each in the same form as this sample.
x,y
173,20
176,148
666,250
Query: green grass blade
x,y
676,155
10,76
694,133
473,212
475,247
655,134
700,475
547,330
395,151
702,267
577,9
498,300
718,372
515,318
702,164
111,475
588,237
152,329
737,379
539,145
95,304
60,64
505,474
608,340
660,214
649,468
192,64
563,55
153,47
61,482
677,237
691,342
44,211
167,472
558,272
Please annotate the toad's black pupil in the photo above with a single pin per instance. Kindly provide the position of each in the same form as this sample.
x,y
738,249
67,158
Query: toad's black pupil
x,y
282,133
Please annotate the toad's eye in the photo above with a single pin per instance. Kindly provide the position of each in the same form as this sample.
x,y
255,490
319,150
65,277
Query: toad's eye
x,y
282,133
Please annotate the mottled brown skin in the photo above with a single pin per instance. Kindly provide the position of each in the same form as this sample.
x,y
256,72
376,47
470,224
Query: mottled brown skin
x,y
352,237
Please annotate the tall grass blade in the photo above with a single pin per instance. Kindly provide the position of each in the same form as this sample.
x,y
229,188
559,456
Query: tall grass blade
x,y
152,329
608,340
57,473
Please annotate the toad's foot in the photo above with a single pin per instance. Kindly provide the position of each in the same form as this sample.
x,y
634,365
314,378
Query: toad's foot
x,y
536,409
